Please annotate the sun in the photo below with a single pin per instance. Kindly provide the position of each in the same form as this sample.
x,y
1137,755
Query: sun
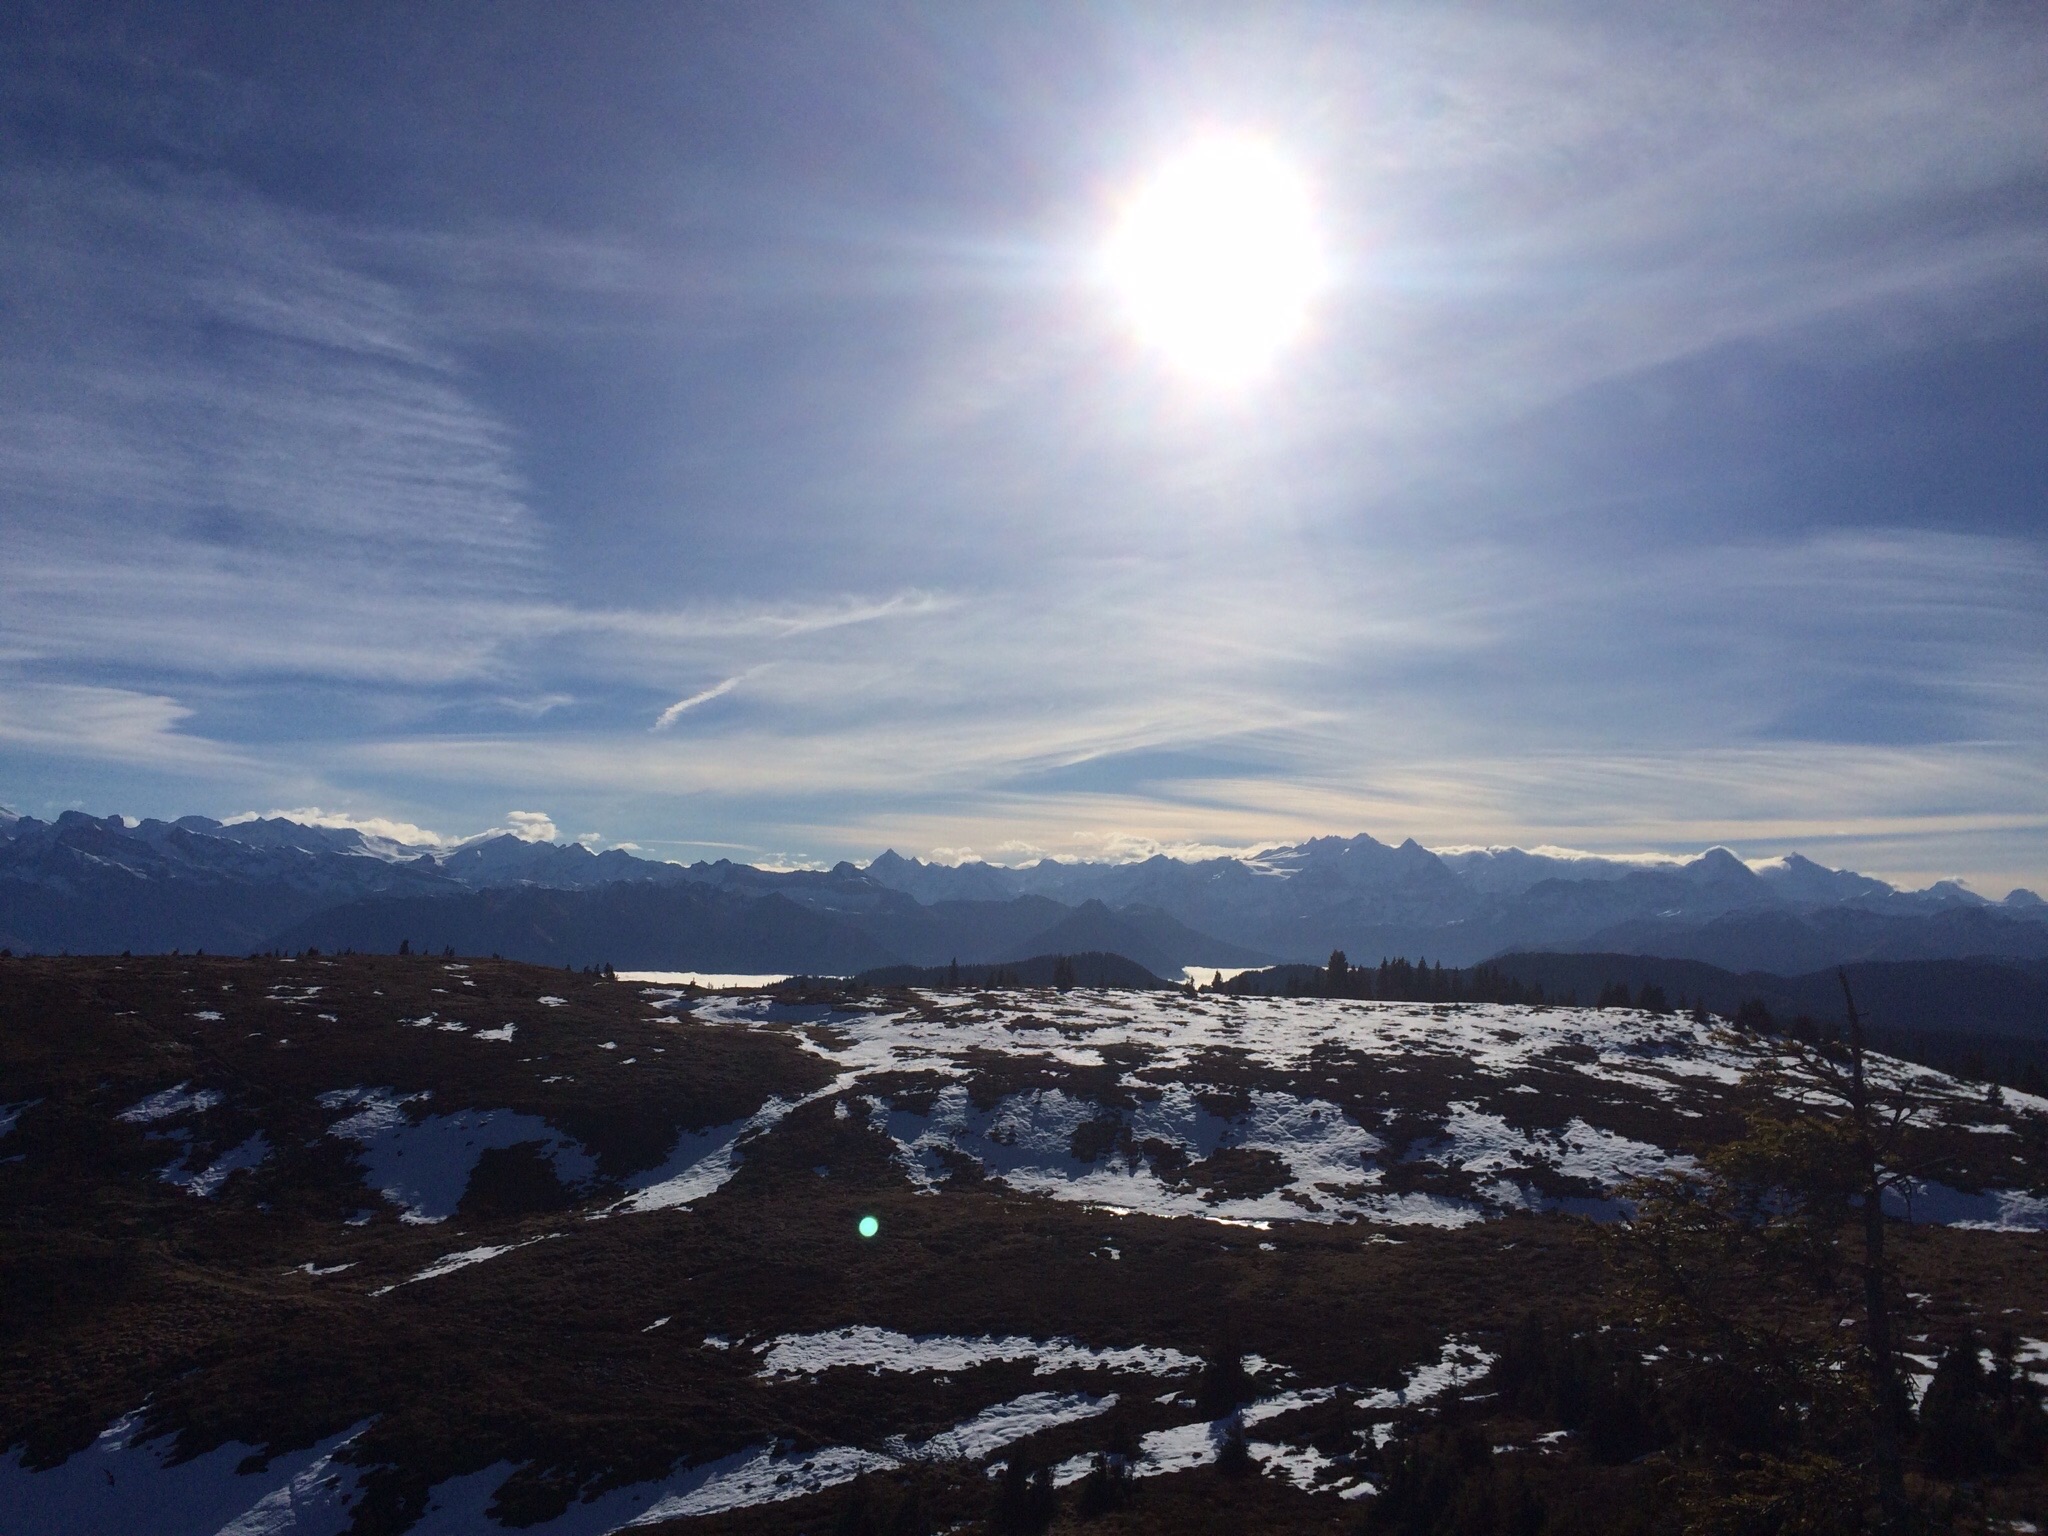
x,y
1217,262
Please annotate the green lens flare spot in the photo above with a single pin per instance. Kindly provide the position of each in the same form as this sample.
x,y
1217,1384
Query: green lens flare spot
x,y
869,1226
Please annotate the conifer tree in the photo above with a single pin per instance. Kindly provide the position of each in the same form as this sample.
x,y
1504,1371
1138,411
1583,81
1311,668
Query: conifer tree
x,y
1797,1203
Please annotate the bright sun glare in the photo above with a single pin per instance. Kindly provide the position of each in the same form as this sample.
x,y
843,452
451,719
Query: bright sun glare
x,y
1217,260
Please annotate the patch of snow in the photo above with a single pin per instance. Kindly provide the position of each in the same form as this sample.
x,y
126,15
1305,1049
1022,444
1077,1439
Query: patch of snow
x,y
881,1349
447,1264
502,1032
1285,1402
1458,1364
1186,1446
424,1166
207,1016
316,1499
1477,1142
1181,1448
171,1102
701,1163
1917,1382
552,1002
206,1182
1995,1210
993,1428
763,1477
1303,1466
1073,1469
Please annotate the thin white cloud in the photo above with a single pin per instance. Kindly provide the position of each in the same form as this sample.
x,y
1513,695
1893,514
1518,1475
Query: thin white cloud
x,y
677,710
528,826
535,706
383,828
118,725
1649,860
533,826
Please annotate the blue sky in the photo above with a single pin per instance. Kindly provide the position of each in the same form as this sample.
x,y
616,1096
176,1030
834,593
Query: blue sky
x,y
404,409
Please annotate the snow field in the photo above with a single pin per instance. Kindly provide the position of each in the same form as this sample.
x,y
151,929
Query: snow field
x,y
1333,1165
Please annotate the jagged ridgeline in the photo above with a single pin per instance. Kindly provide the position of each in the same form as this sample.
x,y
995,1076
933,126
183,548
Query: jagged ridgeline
x,y
98,885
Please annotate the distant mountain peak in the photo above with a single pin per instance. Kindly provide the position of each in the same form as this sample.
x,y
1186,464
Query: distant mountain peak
x,y
1955,890
1338,843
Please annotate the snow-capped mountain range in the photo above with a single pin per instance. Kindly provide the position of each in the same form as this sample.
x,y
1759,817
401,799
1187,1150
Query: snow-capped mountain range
x,y
101,884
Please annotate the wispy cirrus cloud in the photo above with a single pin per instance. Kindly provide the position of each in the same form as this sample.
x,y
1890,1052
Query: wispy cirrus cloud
x,y
119,725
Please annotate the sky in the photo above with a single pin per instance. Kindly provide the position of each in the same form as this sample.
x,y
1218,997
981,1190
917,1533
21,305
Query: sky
x,y
713,428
